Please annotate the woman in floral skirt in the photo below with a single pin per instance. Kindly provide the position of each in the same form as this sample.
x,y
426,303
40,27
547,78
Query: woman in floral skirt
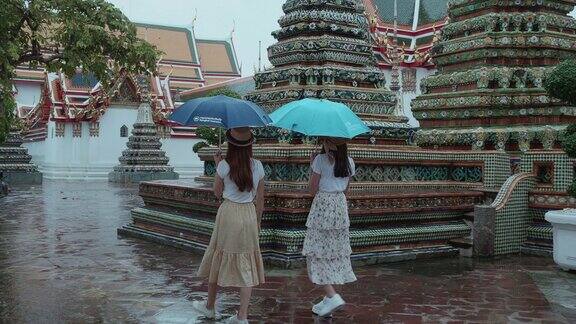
x,y
327,243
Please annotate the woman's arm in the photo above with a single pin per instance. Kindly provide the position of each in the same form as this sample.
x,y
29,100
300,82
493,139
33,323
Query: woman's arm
x,y
347,191
314,183
218,182
260,202
218,186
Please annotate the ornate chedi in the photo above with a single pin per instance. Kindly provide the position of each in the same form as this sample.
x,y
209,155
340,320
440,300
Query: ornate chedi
x,y
144,158
15,162
405,202
324,51
492,58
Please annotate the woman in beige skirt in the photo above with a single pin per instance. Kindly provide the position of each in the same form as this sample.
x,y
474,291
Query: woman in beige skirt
x,y
233,257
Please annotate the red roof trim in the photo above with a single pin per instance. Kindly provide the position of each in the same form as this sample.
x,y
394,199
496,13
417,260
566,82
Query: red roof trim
x,y
412,33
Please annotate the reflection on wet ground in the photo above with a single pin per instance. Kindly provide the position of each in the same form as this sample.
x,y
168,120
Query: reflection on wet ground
x,y
61,262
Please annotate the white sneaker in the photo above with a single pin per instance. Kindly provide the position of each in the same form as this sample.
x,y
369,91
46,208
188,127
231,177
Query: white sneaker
x,y
234,320
200,306
331,305
317,307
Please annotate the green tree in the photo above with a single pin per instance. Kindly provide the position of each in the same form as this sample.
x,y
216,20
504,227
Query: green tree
x,y
63,35
209,135
561,84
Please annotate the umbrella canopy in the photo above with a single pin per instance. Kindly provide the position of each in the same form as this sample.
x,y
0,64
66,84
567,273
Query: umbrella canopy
x,y
319,117
220,111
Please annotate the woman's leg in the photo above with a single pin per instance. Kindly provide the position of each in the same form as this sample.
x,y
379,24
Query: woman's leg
x,y
330,291
212,291
245,294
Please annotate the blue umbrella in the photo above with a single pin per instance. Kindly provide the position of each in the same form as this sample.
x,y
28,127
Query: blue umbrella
x,y
220,111
319,117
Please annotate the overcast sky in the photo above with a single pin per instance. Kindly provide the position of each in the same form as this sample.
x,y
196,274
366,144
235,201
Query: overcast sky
x,y
254,20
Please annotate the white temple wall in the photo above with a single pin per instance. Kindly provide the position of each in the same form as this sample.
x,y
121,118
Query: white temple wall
x,y
93,157
185,162
407,96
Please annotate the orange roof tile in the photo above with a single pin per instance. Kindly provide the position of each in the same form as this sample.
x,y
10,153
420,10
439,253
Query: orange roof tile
x,y
217,57
177,43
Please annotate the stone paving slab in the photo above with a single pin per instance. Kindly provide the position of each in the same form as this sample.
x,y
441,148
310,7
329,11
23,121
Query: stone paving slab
x,y
62,262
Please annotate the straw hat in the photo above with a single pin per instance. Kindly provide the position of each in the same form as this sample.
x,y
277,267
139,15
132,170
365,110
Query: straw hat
x,y
240,136
334,140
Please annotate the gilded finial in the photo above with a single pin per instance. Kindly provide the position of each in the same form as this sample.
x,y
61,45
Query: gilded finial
x,y
195,17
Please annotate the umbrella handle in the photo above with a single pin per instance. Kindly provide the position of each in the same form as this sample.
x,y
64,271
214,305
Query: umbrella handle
x,y
219,140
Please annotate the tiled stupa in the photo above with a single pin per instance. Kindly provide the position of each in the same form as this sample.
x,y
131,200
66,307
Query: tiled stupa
x,y
492,59
488,92
405,202
144,158
15,162
324,51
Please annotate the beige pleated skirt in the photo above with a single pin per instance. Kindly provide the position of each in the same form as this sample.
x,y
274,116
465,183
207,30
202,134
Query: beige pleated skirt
x,y
233,257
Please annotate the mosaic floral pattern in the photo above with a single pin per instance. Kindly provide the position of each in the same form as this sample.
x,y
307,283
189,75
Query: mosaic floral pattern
x,y
464,7
492,169
512,214
491,71
563,167
365,173
478,138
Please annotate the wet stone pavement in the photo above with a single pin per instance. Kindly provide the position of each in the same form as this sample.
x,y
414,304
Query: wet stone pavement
x,y
62,262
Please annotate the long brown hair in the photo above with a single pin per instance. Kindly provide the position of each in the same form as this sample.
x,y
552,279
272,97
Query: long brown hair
x,y
240,160
342,168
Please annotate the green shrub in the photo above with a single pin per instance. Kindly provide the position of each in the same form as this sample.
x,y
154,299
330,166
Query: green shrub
x,y
569,145
209,134
224,91
570,130
560,83
198,146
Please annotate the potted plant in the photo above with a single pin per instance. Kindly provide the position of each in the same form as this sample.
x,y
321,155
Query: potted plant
x,y
560,84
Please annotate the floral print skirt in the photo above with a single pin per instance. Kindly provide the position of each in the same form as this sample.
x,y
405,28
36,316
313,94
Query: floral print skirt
x,y
327,242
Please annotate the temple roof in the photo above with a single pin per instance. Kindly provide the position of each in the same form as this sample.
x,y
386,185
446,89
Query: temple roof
x,y
177,43
191,62
242,86
429,11
187,63
217,56
418,23
180,59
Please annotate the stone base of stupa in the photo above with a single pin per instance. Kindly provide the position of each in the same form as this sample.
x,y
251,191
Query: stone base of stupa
x,y
404,204
22,177
136,177
287,260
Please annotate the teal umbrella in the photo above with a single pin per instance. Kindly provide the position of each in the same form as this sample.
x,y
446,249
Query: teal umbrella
x,y
319,117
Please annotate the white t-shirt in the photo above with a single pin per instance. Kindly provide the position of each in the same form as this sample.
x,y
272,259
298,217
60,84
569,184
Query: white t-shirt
x,y
328,182
231,191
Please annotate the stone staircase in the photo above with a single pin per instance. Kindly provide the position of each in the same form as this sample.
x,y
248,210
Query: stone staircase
x,y
542,200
